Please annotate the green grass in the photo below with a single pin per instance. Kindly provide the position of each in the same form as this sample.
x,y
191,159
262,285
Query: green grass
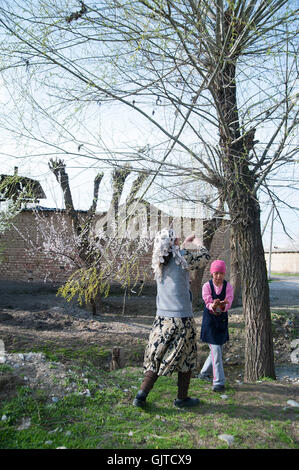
x,y
4,368
108,420
285,274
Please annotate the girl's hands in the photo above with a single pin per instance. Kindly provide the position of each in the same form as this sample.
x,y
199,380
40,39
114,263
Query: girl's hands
x,y
219,303
223,304
215,304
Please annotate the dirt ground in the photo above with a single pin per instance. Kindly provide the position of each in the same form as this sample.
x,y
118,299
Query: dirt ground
x,y
33,319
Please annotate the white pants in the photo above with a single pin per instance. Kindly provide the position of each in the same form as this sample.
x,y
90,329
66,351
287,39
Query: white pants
x,y
214,365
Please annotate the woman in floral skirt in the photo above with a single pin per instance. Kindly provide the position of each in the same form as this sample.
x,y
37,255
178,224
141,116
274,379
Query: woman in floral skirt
x,y
172,341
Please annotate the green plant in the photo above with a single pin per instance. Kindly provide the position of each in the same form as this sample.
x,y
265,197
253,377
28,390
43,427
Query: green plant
x,y
4,368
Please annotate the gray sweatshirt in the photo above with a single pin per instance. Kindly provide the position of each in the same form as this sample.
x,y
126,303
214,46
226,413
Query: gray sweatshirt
x,y
174,298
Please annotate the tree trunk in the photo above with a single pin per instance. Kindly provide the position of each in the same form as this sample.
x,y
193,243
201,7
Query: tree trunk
x,y
244,209
235,274
247,238
259,358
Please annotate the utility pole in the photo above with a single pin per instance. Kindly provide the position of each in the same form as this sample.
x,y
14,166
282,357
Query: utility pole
x,y
271,242
266,223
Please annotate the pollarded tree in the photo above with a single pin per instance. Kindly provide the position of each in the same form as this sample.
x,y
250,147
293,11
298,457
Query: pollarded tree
x,y
215,78
106,256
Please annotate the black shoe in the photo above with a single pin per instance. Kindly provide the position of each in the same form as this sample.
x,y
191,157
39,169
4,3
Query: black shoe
x,y
218,388
188,402
140,399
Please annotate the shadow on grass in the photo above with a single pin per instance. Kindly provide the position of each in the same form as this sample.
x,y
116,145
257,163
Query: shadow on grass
x,y
258,401
247,412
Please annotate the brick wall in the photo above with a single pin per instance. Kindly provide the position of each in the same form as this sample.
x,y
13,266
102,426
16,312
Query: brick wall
x,y
16,262
18,265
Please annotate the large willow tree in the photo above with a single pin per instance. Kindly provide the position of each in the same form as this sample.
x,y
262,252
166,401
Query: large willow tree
x,y
215,78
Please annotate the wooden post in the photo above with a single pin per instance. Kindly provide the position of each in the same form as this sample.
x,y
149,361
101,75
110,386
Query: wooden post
x,y
117,360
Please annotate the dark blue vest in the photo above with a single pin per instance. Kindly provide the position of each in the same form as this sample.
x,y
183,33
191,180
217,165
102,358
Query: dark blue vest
x,y
214,328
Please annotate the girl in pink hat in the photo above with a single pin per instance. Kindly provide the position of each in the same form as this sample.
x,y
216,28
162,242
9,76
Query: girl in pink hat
x,y
218,296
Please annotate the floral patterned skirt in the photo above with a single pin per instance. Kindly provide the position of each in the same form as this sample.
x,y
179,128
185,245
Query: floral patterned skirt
x,y
171,346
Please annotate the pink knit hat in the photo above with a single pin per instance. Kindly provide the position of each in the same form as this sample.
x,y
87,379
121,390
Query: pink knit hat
x,y
217,266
